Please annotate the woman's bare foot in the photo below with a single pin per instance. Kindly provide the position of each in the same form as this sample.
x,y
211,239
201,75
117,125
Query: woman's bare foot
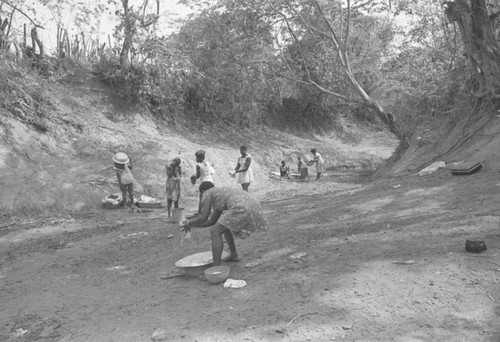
x,y
231,258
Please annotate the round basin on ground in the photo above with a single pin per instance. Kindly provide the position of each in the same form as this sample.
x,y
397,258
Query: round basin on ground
x,y
194,265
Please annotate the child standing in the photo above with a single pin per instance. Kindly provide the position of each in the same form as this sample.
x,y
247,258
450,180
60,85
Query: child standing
x,y
302,169
243,168
122,165
204,172
173,185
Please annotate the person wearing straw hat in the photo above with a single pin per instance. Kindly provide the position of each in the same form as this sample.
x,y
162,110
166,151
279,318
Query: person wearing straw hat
x,y
122,165
173,185
204,172
227,212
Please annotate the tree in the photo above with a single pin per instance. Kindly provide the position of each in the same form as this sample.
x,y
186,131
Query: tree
x,y
480,42
224,47
131,21
5,27
310,47
331,24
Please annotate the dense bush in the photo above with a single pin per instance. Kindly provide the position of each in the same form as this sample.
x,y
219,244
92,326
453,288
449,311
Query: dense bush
x,y
21,94
159,82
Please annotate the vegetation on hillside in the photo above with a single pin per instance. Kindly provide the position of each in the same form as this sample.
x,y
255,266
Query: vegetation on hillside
x,y
292,64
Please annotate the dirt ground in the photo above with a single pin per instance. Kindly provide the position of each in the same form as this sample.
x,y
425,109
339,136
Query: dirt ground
x,y
105,278
381,260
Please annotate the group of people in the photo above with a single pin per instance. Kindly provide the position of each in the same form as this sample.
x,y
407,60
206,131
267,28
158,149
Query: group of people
x,y
204,171
226,211
302,169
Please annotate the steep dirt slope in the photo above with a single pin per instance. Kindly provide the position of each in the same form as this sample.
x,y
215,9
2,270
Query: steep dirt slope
x,y
66,169
464,136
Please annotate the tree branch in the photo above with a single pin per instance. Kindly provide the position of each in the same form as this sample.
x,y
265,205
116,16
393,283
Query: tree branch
x,y
348,24
333,36
299,47
17,9
316,85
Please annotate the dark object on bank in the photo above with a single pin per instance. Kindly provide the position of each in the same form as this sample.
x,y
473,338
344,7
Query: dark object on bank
x,y
475,245
465,168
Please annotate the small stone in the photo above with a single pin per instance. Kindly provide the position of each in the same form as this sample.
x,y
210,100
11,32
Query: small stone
x,y
298,255
475,245
20,332
252,264
159,335
170,236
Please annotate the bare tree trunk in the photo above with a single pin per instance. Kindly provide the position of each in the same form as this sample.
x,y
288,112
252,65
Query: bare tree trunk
x,y
482,48
33,42
36,40
67,43
76,47
2,37
24,39
83,49
10,23
128,33
60,42
386,118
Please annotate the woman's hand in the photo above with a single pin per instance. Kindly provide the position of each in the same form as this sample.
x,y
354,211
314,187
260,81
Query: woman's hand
x,y
185,227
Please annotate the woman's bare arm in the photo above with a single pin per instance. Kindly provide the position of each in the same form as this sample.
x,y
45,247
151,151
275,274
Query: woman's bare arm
x,y
211,221
198,221
248,161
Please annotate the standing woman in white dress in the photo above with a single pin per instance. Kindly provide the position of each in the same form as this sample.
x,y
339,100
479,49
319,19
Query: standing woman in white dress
x,y
243,168
319,161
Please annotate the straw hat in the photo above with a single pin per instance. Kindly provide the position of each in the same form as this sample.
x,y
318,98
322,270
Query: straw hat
x,y
121,158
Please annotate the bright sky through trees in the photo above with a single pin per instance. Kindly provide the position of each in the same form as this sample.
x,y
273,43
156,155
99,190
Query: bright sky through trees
x,y
170,14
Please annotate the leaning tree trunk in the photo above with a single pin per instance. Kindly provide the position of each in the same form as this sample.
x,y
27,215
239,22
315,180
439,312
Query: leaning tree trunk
x,y
128,32
386,118
35,41
481,46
